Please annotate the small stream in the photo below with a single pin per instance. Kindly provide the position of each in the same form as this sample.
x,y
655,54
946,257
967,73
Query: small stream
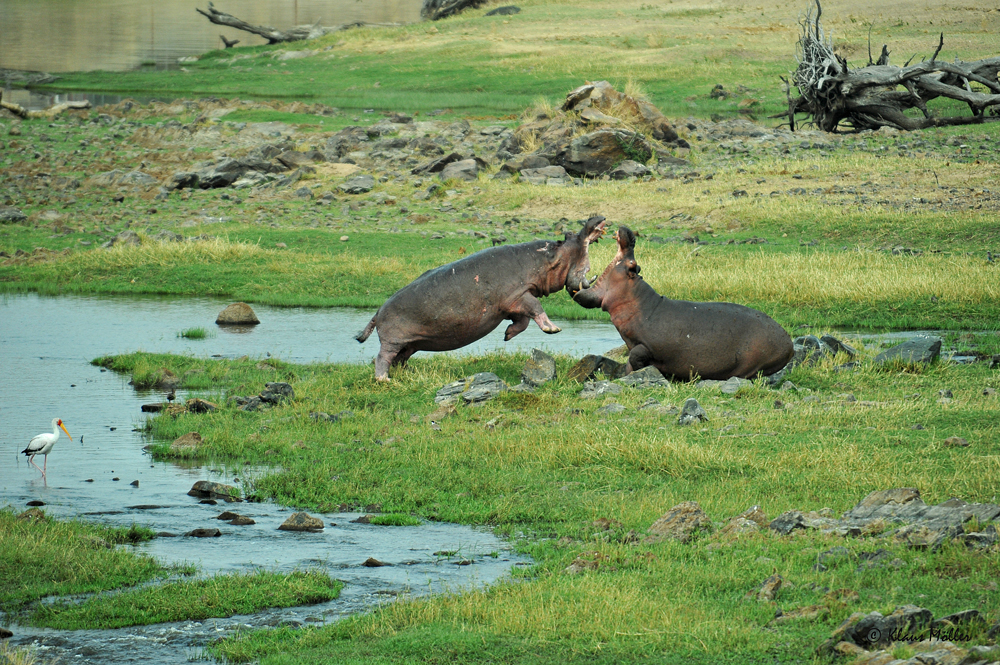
x,y
46,345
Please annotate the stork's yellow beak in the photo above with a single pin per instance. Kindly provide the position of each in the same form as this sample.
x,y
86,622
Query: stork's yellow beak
x,y
63,428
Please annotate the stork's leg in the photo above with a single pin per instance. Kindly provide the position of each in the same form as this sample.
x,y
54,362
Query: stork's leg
x,y
31,461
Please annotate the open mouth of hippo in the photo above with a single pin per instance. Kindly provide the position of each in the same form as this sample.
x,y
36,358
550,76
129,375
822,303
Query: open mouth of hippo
x,y
576,282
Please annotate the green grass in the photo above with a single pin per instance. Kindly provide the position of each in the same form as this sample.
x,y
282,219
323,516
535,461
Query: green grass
x,y
190,600
525,464
193,333
40,558
395,519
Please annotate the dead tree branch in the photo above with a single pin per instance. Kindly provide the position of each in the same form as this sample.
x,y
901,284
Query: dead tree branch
x,y
273,36
880,94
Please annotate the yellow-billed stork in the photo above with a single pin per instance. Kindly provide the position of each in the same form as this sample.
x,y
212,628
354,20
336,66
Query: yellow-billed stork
x,y
42,444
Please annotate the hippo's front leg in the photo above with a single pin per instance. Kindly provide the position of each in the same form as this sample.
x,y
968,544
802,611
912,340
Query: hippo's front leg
x,y
528,307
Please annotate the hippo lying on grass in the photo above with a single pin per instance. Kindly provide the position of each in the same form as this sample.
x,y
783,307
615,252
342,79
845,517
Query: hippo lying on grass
x,y
712,340
456,304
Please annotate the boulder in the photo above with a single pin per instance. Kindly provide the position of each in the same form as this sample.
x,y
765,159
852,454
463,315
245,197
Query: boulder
x,y
196,405
682,522
187,442
11,215
598,152
206,489
647,377
592,389
602,95
541,367
301,522
203,533
692,413
915,351
437,165
466,169
590,365
237,314
359,184
628,169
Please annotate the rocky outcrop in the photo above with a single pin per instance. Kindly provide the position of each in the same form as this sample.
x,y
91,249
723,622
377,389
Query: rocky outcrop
x,y
237,314
302,522
682,523
601,95
11,215
206,489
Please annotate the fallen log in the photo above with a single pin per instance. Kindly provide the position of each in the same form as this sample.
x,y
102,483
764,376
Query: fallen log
x,y
880,94
434,10
16,109
274,36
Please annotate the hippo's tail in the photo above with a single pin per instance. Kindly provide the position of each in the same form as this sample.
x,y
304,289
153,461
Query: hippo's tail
x,y
364,334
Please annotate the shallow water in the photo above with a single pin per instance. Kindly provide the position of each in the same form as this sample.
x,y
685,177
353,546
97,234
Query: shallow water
x,y
46,344
116,35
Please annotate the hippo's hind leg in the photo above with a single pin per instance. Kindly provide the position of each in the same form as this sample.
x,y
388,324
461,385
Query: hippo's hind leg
x,y
639,356
390,355
528,307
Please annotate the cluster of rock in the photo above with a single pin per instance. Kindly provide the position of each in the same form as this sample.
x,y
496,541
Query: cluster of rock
x,y
274,393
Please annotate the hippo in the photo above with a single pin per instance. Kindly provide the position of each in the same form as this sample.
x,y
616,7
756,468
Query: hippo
x,y
449,307
710,340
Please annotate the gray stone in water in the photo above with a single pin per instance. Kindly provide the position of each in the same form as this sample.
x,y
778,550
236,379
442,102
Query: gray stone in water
x,y
610,409
647,377
541,367
238,313
593,389
692,413
203,533
210,490
914,351
359,184
302,522
11,215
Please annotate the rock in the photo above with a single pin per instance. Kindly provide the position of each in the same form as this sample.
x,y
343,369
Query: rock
x,y
372,562
610,409
237,314
203,533
542,175
301,522
211,490
590,365
602,95
593,389
11,215
466,169
598,152
125,238
276,392
768,589
920,350
34,514
437,165
187,442
227,515
321,415
506,10
5,634
733,385
628,169
786,522
810,613
446,410
196,405
541,367
956,442
692,413
476,388
682,522
647,377
242,520
121,178
359,184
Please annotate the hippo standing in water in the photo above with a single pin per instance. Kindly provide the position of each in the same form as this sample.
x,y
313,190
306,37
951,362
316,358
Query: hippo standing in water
x,y
712,340
459,303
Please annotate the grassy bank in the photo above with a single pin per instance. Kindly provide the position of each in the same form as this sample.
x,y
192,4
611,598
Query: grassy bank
x,y
550,470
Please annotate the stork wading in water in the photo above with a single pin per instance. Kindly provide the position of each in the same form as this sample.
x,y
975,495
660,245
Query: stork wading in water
x,y
42,444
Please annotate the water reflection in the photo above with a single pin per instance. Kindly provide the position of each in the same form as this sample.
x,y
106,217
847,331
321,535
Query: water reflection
x,y
116,35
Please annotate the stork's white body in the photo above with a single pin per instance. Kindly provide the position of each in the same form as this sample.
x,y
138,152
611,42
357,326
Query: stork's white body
x,y
42,445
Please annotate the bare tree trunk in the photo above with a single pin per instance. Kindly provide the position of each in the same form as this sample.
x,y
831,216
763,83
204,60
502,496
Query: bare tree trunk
x,y
273,36
879,94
